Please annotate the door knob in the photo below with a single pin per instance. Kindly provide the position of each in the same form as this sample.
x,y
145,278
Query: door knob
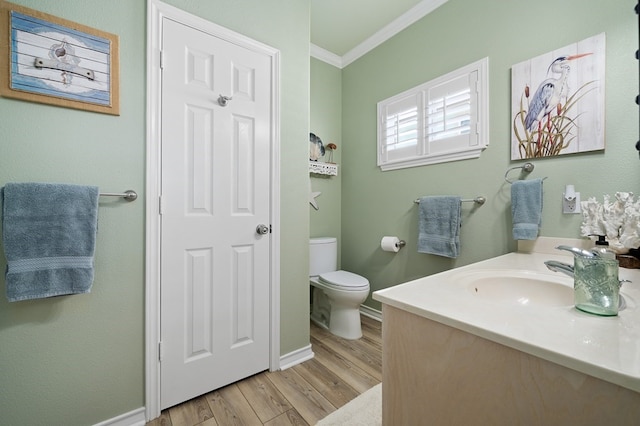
x,y
262,229
223,100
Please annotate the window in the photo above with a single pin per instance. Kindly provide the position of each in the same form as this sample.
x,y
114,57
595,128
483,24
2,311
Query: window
x,y
445,119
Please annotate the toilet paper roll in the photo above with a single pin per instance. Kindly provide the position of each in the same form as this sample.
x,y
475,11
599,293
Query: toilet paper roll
x,y
391,244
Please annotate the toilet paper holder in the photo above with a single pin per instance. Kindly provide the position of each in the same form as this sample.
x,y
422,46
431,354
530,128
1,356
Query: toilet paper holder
x,y
391,243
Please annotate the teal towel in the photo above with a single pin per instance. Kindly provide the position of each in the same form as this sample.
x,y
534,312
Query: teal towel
x,y
49,232
526,208
439,225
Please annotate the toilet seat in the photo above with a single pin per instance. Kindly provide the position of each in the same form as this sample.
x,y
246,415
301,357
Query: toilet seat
x,y
344,280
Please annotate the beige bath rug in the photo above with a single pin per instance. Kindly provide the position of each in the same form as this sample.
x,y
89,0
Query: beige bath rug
x,y
365,410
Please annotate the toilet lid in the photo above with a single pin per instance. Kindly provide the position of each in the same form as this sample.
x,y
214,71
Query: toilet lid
x,y
344,280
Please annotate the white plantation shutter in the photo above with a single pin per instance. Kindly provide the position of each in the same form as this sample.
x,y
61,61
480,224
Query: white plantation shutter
x,y
402,128
445,119
449,109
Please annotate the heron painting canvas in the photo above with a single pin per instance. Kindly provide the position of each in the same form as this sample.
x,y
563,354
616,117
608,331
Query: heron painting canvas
x,y
558,101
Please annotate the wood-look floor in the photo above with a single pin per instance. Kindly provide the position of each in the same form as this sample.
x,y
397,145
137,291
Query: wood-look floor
x,y
301,395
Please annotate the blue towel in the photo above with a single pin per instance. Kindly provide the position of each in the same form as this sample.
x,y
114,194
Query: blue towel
x,y
526,208
439,226
48,231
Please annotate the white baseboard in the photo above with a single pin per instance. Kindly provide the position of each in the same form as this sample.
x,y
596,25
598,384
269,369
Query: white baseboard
x,y
132,418
371,313
296,357
137,417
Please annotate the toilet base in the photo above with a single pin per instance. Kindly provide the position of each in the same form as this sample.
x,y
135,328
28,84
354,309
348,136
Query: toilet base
x,y
351,332
341,319
345,323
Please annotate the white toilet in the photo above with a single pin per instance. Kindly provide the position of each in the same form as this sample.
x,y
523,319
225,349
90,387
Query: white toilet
x,y
337,295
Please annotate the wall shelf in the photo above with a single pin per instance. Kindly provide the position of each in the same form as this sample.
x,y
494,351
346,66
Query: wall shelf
x,y
320,168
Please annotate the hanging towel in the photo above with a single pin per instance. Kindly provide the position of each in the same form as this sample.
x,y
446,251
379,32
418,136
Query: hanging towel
x,y
526,208
439,225
48,231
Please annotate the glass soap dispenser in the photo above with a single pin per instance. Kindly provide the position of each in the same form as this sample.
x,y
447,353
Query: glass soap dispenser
x,y
596,284
602,247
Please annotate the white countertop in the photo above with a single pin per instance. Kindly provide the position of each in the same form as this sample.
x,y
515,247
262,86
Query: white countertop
x,y
604,347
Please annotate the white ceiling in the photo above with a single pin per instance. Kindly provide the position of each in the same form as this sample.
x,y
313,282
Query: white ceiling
x,y
344,30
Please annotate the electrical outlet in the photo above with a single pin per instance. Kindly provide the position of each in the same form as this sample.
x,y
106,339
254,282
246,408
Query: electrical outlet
x,y
571,206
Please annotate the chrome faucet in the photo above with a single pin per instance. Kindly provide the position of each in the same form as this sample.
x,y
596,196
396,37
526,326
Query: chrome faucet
x,y
578,251
556,266
565,268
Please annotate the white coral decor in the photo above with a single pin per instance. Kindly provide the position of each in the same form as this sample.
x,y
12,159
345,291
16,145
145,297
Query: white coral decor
x,y
618,220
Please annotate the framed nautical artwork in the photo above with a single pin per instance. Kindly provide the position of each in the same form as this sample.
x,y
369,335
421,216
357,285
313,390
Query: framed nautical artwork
x,y
54,61
557,101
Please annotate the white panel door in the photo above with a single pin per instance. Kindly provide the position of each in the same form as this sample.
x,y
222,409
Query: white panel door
x,y
215,267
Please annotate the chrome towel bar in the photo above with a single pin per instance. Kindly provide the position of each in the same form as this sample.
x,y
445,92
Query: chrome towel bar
x,y
129,195
478,200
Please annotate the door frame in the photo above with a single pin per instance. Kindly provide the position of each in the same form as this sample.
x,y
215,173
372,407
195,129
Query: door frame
x,y
156,12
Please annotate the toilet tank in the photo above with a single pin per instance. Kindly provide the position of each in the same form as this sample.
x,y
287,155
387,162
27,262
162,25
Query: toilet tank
x,y
323,255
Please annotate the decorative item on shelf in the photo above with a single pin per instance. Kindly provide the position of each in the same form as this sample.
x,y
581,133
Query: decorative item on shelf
x,y
331,147
316,148
618,220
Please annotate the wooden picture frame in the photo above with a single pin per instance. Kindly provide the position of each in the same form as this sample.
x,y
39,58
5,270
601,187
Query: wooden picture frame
x,y
54,61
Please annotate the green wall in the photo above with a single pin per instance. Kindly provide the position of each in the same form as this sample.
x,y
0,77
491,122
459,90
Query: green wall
x,y
326,115
376,203
79,360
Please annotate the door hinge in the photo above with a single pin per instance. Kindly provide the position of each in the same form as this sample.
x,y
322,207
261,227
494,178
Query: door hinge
x,y
161,59
160,205
159,351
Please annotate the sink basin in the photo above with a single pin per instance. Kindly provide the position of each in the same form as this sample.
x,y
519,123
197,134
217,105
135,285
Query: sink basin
x,y
527,288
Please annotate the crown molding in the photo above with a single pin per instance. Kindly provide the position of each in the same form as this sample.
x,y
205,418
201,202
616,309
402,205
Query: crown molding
x,y
325,56
405,20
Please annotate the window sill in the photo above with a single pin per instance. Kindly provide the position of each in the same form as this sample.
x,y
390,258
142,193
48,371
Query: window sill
x,y
433,159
